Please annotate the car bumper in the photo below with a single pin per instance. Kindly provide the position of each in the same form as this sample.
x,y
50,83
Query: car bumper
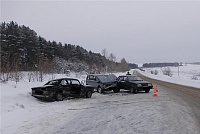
x,y
110,86
43,96
143,88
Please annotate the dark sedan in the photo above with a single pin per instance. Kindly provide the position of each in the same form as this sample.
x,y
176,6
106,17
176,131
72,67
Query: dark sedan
x,y
59,89
133,84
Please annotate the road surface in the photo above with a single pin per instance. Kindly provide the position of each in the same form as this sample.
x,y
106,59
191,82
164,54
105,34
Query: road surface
x,y
189,96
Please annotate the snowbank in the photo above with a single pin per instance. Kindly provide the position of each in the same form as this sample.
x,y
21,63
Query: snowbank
x,y
188,75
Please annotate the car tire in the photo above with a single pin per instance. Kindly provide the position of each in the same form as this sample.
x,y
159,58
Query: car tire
x,y
59,97
147,90
89,94
116,90
99,90
133,90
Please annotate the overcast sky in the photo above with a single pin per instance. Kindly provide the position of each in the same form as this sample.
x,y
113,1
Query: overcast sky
x,y
140,32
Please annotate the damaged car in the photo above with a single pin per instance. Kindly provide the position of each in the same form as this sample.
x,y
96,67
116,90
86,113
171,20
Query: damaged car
x,y
59,89
103,82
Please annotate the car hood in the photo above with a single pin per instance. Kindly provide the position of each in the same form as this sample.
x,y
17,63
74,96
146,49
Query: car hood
x,y
87,85
45,86
140,82
109,82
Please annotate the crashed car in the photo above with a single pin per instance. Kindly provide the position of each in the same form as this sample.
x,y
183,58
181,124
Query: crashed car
x,y
59,89
102,82
133,84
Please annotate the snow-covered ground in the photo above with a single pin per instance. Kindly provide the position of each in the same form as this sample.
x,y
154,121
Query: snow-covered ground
x,y
121,113
188,75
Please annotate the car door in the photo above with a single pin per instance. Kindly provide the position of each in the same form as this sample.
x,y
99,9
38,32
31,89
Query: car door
x,y
65,87
127,83
75,87
121,82
92,80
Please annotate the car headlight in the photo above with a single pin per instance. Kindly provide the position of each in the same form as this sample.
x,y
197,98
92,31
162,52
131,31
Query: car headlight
x,y
149,84
139,85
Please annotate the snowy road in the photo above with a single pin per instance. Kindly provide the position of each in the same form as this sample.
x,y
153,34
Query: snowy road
x,y
125,113
189,96
120,113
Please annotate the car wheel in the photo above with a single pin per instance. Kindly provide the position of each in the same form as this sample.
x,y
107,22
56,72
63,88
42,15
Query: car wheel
x,y
133,90
89,94
59,97
99,90
116,90
147,90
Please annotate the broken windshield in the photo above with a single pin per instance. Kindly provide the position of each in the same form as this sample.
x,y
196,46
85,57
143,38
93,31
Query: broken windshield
x,y
107,78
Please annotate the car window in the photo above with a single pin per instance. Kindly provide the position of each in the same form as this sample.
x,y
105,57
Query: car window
x,y
64,83
121,78
53,82
91,77
125,78
107,78
135,78
103,78
68,81
111,77
75,82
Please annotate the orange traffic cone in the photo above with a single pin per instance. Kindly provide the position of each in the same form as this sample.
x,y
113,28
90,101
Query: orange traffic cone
x,y
153,86
155,94
156,88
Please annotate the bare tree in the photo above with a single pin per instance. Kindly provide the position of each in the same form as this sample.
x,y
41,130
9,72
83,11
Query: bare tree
x,y
104,53
123,65
112,57
167,71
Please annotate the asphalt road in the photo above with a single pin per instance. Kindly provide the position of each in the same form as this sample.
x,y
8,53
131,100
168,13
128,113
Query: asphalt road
x,y
189,96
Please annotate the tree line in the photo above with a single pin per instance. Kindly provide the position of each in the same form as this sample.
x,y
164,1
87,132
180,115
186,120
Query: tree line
x,y
23,50
160,64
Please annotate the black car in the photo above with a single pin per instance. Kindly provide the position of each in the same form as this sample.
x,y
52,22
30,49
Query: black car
x,y
102,82
59,89
133,84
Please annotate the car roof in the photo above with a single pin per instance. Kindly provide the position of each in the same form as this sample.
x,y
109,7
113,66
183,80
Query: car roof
x,y
98,74
127,76
65,79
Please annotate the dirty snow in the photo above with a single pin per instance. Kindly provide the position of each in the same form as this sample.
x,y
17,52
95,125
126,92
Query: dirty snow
x,y
121,113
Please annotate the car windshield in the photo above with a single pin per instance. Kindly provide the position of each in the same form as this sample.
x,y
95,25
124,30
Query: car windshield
x,y
53,82
135,78
107,78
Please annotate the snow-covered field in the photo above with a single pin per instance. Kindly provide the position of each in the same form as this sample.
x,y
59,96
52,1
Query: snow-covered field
x,y
188,75
121,113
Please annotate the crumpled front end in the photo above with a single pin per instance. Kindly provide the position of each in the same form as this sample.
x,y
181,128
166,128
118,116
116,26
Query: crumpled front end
x,y
42,93
108,86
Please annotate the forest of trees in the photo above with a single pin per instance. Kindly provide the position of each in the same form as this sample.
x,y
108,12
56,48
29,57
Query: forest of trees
x,y
160,64
23,50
